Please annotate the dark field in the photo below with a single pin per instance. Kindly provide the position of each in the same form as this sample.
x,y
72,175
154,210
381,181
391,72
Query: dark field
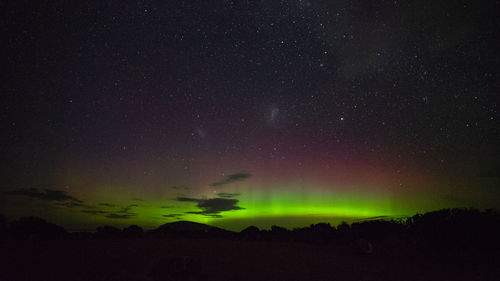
x,y
227,259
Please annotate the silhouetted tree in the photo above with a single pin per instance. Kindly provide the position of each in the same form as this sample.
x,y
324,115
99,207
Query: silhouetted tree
x,y
343,227
322,227
107,231
279,233
322,232
375,230
278,229
456,229
133,231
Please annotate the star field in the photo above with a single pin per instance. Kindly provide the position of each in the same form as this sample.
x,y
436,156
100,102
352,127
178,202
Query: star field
x,y
293,108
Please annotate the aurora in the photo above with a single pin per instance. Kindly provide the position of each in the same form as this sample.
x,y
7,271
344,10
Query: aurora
x,y
255,113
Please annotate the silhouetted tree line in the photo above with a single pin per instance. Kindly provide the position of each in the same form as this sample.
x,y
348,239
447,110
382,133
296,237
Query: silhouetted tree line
x,y
449,230
446,230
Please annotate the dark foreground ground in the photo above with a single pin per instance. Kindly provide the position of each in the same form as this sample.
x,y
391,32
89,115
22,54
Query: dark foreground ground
x,y
225,259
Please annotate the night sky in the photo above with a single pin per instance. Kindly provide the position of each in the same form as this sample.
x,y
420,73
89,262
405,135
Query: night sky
x,y
237,113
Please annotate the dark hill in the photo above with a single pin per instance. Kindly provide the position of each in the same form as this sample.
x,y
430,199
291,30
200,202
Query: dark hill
x,y
33,227
188,227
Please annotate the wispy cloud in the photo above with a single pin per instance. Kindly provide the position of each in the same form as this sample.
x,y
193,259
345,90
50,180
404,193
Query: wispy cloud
x,y
232,178
107,204
172,216
180,187
123,212
127,209
227,194
72,204
46,194
93,212
210,215
120,216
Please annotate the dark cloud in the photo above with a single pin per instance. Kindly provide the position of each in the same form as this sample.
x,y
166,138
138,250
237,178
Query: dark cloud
x,y
122,213
106,204
212,207
172,216
46,194
205,214
227,195
180,187
93,212
72,204
217,205
232,178
120,216
126,209
187,199
377,218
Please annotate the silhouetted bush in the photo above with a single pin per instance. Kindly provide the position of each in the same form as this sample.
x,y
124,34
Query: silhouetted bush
x,y
343,227
279,233
107,231
343,232
278,230
456,229
450,229
133,231
322,227
250,233
36,228
315,233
